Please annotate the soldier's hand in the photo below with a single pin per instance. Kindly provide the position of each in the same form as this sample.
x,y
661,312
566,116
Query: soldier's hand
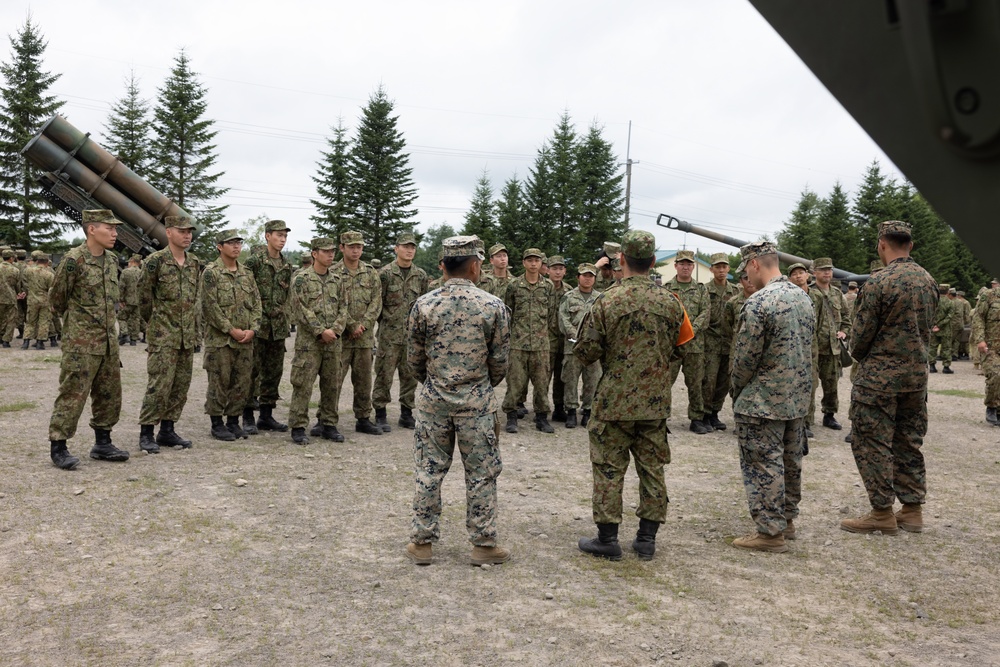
x,y
603,261
248,335
358,332
328,336
236,334
841,335
983,347
935,329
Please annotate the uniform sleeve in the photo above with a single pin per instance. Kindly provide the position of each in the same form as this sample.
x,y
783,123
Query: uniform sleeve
x,y
307,318
375,307
866,321
565,322
383,288
700,323
257,312
845,316
749,347
589,345
146,281
416,343
66,276
211,311
979,320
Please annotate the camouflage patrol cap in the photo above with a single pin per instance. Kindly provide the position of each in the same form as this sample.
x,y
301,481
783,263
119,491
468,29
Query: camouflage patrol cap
x,y
638,244
227,235
35,254
961,293
100,215
851,284
21,253
586,268
684,256
894,227
720,258
994,281
375,263
944,287
178,222
406,238
753,251
7,253
497,247
322,243
352,238
532,252
953,291
822,263
40,256
796,265
555,260
461,246
276,226
612,248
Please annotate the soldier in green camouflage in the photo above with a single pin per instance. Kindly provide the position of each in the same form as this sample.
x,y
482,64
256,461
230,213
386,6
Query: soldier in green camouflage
x,y
167,294
362,296
557,272
497,274
457,347
632,330
851,297
273,275
718,342
85,290
8,297
941,331
402,283
961,326
694,296
572,308
232,312
606,275
20,264
893,317
832,326
986,338
771,378
35,283
128,314
321,319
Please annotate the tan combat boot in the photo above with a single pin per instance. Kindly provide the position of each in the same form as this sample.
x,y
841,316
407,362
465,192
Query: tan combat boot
x,y
875,521
910,518
762,542
488,555
420,554
789,531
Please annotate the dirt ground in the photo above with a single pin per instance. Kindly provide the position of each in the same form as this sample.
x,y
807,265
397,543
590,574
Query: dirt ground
x,y
168,560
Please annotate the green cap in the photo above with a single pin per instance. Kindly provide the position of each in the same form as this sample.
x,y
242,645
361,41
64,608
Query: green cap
x,y
352,238
406,238
375,263
895,227
555,260
21,253
684,256
35,254
720,258
851,284
100,215
586,268
822,263
322,243
638,244
612,248
497,247
7,253
797,265
461,246
276,226
532,252
178,222
944,287
227,235
41,256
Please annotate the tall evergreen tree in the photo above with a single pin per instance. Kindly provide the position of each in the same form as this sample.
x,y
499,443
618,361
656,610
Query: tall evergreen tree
x,y
333,187
382,191
602,197
27,219
932,247
837,236
554,192
515,229
430,245
127,130
481,218
801,234
184,153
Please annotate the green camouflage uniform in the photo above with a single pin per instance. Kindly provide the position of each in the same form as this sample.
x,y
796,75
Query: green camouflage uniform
x,y
831,318
941,339
772,374
168,300
572,309
128,317
531,315
317,306
986,327
9,276
36,282
962,319
632,330
361,292
22,304
274,278
893,317
694,296
399,291
556,339
457,348
718,343
229,300
85,292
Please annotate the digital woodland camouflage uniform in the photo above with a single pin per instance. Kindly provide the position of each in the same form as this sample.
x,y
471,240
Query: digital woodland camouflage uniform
x,y
572,309
986,328
36,282
694,296
941,339
771,377
129,319
718,344
831,318
457,348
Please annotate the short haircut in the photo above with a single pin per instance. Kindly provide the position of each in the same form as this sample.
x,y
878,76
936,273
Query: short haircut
x,y
897,240
637,265
767,261
459,267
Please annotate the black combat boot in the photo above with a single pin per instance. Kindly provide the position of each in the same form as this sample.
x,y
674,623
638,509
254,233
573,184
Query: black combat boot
x,y
40,345
5,344
104,450
233,425
167,437
715,422
317,430
522,411
698,426
605,545
131,341
122,339
299,436
559,413
644,544
946,370
146,441
52,342
406,419
849,438
331,433
219,430
26,344
933,367
585,417
991,415
830,421
570,418
542,423
382,420
267,422
512,421
61,458
249,423
365,425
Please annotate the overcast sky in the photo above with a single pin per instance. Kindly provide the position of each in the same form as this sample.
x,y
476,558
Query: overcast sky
x,y
728,126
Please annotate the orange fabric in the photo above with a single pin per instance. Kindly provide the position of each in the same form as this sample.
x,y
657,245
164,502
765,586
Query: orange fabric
x,y
687,331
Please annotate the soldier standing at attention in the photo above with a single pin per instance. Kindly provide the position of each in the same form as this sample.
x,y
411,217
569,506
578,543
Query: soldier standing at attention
x,y
22,297
529,299
832,326
572,309
498,273
851,297
361,293
231,307
273,275
771,377
557,272
633,330
402,283
86,291
321,320
128,315
986,338
457,348
36,281
8,297
167,294
893,317
696,302
941,331
718,341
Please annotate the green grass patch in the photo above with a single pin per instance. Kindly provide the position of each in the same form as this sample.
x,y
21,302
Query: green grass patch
x,y
961,393
51,360
17,407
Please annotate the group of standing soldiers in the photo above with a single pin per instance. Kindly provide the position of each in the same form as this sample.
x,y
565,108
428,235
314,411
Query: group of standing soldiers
x,y
24,299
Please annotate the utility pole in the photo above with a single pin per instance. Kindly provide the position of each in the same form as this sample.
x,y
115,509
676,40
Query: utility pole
x,y
628,173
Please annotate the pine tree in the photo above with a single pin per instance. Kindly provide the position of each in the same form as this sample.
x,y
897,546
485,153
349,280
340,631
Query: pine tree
x,y
333,187
602,197
382,190
430,245
481,218
931,237
837,236
513,224
878,199
27,218
801,233
127,130
554,193
184,153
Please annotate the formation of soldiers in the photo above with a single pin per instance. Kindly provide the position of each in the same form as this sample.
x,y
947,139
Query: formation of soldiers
x,y
24,299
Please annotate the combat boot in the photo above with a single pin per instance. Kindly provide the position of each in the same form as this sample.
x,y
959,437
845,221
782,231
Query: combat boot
x,y
570,418
947,370
267,422
317,430
849,438
249,423
522,411
61,458
933,367
512,421
558,413
122,339
542,423
991,415
762,542
299,436
830,421
331,433
585,418
809,431
420,554
789,531
406,419
104,450
911,518
715,422
52,342
131,341
698,427
146,441
488,555
877,521
708,426
605,545
365,425
382,420
39,344
167,437
644,544
233,424
5,344
220,432
26,344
